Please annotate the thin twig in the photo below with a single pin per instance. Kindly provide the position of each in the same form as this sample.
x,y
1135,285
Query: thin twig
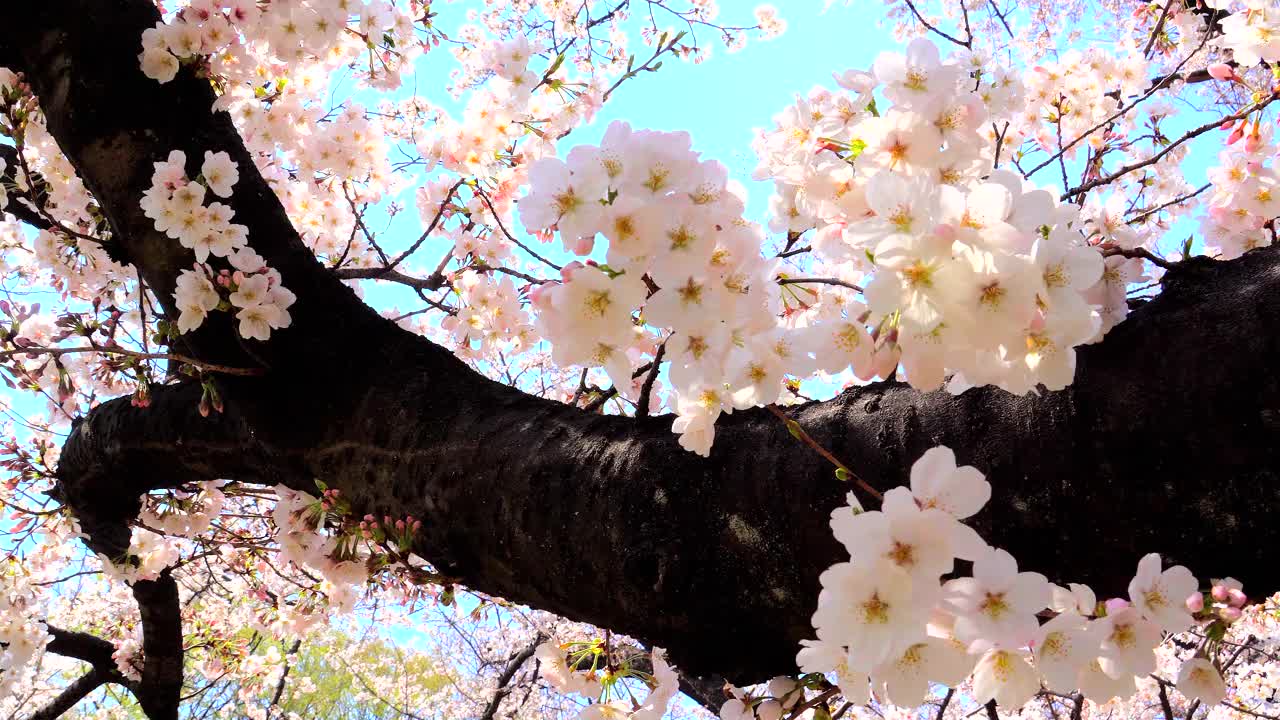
x,y
1190,134
485,196
819,281
1155,87
932,28
646,389
186,359
1164,699
1247,711
1180,199
505,678
1155,31
942,709
1139,253
794,428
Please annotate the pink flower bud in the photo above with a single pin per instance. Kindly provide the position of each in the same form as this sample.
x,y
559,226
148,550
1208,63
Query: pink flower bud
x,y
1236,598
1115,605
1195,602
568,270
540,296
1230,614
1235,135
1219,593
1221,71
583,246
1252,142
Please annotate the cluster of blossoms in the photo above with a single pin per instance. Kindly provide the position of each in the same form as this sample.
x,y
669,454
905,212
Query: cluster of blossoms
x,y
253,289
1069,97
771,25
176,205
22,632
680,258
184,514
156,542
224,30
489,314
972,272
299,517
1251,31
271,64
1246,195
885,622
128,655
79,269
560,668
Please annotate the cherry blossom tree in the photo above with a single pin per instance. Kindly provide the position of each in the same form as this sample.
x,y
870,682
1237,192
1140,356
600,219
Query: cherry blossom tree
x,y
979,418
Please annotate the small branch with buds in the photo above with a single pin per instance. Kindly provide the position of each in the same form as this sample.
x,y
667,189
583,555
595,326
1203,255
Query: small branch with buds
x,y
842,470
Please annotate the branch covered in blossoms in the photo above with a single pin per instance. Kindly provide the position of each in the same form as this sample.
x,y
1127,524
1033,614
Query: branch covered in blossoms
x,y
1155,434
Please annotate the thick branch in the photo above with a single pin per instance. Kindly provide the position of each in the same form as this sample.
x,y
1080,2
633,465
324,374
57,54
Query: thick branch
x,y
160,690
70,695
87,648
81,646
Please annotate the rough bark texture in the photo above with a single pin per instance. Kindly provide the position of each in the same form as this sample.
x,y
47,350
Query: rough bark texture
x,y
1166,441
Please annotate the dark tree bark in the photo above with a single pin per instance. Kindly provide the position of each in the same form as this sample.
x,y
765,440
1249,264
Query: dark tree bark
x,y
1166,442
102,669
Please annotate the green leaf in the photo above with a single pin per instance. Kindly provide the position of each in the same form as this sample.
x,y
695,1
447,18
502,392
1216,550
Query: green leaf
x,y
556,64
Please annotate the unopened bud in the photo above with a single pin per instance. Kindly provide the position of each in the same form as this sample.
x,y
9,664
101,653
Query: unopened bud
x,y
1221,71
1115,605
1195,602
769,710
